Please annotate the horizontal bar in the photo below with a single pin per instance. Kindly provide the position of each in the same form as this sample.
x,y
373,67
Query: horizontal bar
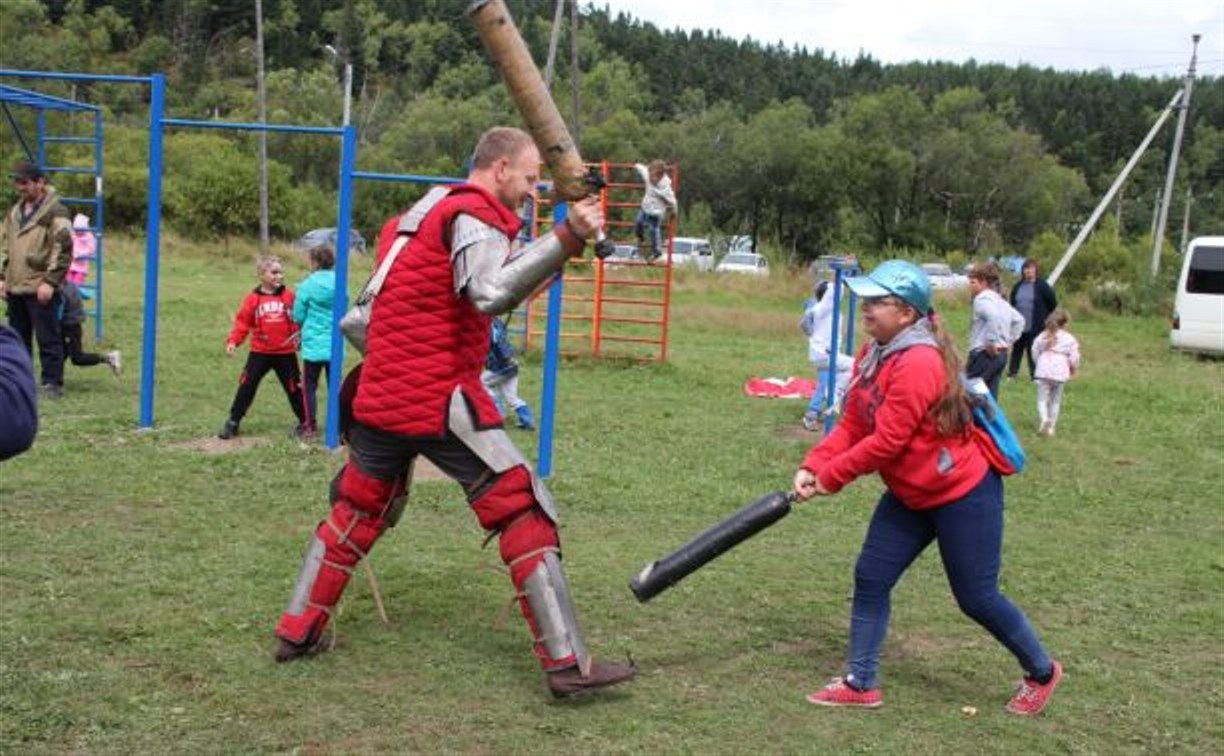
x,y
70,140
630,282
80,200
235,126
409,178
66,169
633,339
639,321
74,77
644,302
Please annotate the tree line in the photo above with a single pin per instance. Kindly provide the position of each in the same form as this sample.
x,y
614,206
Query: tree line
x,y
810,153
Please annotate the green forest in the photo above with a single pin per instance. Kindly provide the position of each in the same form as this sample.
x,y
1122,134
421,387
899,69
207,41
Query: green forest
x,y
809,153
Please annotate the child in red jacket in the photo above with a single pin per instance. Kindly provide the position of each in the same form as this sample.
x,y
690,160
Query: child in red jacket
x,y
266,314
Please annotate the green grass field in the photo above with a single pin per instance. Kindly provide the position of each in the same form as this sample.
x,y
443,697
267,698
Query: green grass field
x,y
141,576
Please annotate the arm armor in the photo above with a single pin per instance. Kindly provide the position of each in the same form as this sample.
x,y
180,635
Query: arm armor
x,y
496,278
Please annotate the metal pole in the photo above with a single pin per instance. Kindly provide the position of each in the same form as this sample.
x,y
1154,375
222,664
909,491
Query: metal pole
x,y
348,154
99,225
552,44
1186,220
1158,237
1109,195
348,93
148,360
834,348
552,354
262,103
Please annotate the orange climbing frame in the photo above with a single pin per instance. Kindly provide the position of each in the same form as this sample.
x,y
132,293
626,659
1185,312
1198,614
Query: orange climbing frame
x,y
619,307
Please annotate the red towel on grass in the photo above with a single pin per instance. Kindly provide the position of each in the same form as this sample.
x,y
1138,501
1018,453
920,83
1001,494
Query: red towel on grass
x,y
780,388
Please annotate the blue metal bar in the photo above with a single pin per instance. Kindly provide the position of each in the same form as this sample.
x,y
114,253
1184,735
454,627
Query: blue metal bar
x,y
344,212
152,249
42,130
79,200
408,178
552,353
831,383
80,77
269,127
70,140
67,169
98,224
17,131
42,101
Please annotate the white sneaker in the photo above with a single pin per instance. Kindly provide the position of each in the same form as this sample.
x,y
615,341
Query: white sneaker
x,y
812,421
115,360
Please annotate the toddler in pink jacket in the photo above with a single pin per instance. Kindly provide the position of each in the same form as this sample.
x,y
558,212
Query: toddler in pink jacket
x,y
1058,357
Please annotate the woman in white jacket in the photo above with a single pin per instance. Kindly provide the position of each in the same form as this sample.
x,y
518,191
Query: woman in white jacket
x,y
1058,357
817,323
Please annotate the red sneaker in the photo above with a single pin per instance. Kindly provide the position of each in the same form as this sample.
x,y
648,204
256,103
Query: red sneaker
x,y
1032,696
838,693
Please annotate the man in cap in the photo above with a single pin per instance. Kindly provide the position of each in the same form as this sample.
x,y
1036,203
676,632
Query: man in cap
x,y
33,263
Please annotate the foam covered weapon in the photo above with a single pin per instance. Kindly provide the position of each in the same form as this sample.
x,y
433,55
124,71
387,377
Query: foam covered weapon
x,y
658,576
571,179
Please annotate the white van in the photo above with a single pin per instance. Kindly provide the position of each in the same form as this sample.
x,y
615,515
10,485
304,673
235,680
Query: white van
x,y
1198,309
687,250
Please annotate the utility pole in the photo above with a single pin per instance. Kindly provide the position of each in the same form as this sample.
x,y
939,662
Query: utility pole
x,y
1113,190
263,120
1158,239
1186,219
558,16
575,73
348,81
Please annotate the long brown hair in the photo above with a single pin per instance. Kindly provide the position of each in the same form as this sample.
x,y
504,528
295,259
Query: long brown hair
x,y
951,412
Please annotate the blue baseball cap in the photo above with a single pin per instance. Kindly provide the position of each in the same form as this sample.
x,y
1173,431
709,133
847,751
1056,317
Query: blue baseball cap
x,y
896,278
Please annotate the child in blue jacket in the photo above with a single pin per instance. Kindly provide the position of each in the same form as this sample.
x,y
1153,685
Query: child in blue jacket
x,y
501,375
312,310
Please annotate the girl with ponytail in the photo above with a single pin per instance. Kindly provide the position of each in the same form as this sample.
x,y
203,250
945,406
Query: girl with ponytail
x,y
906,417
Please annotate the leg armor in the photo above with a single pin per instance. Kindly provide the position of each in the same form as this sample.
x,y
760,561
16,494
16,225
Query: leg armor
x,y
361,507
529,545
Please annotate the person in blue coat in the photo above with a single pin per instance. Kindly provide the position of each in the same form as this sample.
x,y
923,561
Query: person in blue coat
x,y
18,395
312,310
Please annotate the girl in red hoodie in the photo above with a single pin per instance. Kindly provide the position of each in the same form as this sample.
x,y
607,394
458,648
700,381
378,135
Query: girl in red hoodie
x,y
266,314
906,417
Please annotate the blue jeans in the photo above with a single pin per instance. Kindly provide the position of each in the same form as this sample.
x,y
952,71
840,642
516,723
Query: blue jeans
x,y
970,536
648,224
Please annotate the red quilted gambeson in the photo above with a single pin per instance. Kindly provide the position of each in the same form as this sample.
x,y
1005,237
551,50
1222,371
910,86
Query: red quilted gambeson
x,y
424,339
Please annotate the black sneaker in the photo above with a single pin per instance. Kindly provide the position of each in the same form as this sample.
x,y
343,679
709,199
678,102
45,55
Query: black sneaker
x,y
229,430
52,392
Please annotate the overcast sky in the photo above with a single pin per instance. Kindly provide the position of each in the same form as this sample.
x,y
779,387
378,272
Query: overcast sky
x,y
1144,37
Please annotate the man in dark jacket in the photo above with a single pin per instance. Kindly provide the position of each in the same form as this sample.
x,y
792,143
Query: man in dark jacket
x,y
1035,300
18,404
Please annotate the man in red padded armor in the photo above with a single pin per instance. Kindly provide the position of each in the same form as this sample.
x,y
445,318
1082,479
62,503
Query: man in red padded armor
x,y
420,393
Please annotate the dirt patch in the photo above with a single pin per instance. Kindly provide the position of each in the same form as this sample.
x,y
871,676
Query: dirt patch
x,y
214,445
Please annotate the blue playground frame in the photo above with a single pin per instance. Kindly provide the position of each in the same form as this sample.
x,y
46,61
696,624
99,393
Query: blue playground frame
x,y
37,154
348,157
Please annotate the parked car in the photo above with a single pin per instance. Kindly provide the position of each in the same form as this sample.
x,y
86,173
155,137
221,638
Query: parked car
x,y
822,267
624,253
944,278
319,236
687,250
744,262
1198,307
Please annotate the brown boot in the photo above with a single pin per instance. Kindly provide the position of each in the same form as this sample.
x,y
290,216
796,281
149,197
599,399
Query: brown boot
x,y
570,682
